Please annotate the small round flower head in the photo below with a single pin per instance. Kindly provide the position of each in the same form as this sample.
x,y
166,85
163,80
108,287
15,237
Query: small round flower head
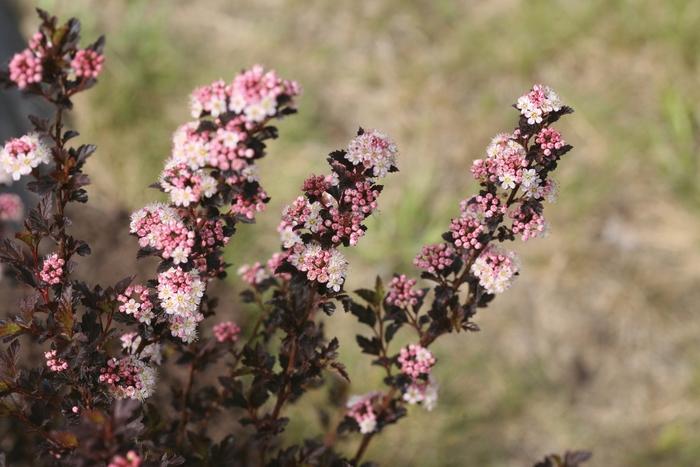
x,y
323,266
186,186
136,301
402,293
180,292
211,233
361,410
132,459
159,226
344,226
495,269
468,233
504,164
248,206
316,185
87,63
128,378
252,274
54,363
362,198
374,150
416,361
422,392
528,223
482,207
537,103
226,331
25,68
184,326
435,258
11,207
260,94
52,269
20,155
190,146
549,140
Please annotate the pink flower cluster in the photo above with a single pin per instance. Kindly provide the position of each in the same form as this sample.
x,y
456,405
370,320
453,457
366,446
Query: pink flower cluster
x,y
179,291
468,233
186,186
132,459
495,269
180,294
333,217
87,63
226,331
54,363
136,301
11,207
248,205
20,155
26,68
344,226
52,269
362,410
540,101
416,361
327,267
128,378
316,185
402,293
159,226
374,150
504,165
549,140
362,198
528,223
255,94
435,258
482,207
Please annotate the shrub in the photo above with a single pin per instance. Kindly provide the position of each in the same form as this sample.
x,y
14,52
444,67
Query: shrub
x,y
96,398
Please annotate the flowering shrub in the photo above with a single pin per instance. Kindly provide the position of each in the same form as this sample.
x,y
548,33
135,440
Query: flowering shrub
x,y
96,399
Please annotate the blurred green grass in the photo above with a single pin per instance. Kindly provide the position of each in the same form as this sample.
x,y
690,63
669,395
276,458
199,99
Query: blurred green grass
x,y
613,287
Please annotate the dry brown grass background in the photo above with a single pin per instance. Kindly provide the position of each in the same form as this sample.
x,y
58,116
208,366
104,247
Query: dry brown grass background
x,y
596,346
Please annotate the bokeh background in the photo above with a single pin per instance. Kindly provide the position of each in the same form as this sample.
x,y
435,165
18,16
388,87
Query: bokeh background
x,y
596,345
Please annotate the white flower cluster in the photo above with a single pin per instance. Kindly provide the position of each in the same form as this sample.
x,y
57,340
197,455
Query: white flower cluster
x,y
374,150
424,393
538,102
324,266
495,269
20,155
180,292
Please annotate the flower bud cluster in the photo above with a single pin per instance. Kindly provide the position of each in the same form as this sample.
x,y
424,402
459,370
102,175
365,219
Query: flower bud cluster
x,y
402,292
52,269
362,409
27,67
128,378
